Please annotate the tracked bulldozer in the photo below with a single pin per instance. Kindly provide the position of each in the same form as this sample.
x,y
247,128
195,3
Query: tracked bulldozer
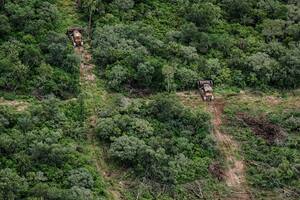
x,y
75,34
206,90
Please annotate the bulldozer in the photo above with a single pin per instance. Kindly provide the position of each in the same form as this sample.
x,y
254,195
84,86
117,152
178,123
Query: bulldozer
x,y
206,90
75,34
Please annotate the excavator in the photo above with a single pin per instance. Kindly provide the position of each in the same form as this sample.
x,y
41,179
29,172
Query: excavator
x,y
206,90
75,34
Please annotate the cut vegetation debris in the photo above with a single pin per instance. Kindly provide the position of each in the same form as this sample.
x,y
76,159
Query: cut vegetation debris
x,y
272,133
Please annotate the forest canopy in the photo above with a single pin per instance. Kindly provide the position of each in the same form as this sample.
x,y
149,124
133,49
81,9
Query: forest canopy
x,y
34,58
167,45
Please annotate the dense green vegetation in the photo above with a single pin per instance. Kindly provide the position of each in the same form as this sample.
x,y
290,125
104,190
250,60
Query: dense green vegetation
x,y
163,142
34,59
73,132
43,155
167,45
272,166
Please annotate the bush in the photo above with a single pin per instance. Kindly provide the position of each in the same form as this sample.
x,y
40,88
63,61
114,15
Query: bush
x,y
158,139
203,14
116,76
11,184
186,78
128,149
80,178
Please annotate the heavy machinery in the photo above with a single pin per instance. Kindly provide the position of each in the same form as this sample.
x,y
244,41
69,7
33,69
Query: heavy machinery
x,y
206,90
75,34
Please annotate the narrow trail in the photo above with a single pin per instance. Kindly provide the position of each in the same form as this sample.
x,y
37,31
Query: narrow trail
x,y
93,93
94,97
235,172
17,104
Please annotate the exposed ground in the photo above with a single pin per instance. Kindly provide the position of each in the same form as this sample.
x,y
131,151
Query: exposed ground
x,y
235,172
263,128
18,105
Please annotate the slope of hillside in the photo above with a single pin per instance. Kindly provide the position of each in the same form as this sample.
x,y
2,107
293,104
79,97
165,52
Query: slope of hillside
x,y
119,117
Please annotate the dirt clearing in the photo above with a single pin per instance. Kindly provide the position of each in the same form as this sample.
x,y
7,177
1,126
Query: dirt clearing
x,y
272,133
234,175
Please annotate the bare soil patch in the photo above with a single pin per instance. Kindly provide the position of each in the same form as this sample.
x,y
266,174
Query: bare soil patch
x,y
234,175
272,133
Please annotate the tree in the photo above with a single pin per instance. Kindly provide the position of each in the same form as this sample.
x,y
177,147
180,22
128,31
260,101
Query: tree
x,y
186,78
107,128
213,69
55,46
5,27
20,14
141,128
273,28
92,6
116,76
128,149
272,9
123,4
168,73
78,193
289,75
187,53
261,68
80,178
13,72
31,56
11,184
239,10
203,14
165,108
144,74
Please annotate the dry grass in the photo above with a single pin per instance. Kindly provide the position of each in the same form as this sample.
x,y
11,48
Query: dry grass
x,y
191,99
18,105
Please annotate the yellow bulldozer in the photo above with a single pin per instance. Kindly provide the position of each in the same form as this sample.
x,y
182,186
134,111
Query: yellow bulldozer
x,y
75,34
206,90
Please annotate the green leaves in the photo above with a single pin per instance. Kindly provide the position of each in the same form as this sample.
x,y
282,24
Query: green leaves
x,y
159,139
11,184
203,15
128,149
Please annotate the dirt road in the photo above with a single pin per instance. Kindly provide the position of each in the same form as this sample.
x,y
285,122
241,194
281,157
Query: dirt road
x,y
94,96
235,171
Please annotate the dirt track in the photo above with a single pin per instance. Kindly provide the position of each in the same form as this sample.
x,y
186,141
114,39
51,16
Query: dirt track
x,y
88,82
235,172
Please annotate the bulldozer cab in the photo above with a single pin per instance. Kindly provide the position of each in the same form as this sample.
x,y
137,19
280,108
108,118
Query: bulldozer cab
x,y
75,34
206,90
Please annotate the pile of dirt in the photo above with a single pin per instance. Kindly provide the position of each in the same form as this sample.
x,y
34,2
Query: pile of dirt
x,y
272,133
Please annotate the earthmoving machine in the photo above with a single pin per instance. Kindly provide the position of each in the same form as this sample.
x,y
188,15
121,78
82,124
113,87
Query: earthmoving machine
x,y
206,90
75,34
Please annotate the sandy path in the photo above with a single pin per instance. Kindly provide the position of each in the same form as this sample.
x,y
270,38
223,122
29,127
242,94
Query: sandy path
x,y
235,172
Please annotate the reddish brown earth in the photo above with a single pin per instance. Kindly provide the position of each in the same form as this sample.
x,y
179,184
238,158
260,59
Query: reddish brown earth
x,y
234,175
261,127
